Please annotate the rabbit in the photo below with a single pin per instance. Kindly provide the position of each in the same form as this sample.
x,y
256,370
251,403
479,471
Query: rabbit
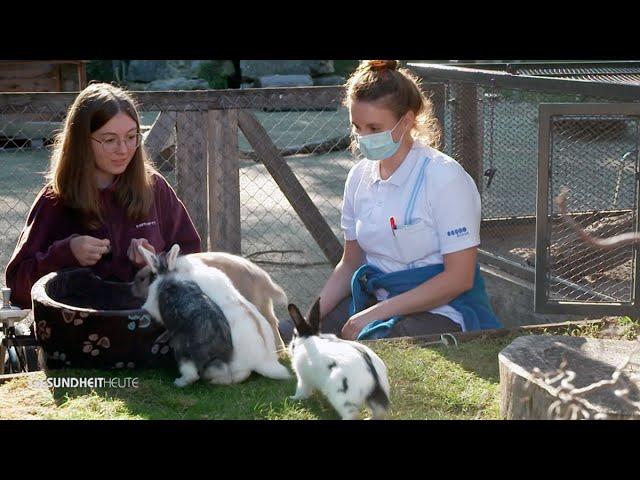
x,y
252,282
347,373
199,332
254,346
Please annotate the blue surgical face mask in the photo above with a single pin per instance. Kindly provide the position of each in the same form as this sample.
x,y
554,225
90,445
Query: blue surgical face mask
x,y
378,146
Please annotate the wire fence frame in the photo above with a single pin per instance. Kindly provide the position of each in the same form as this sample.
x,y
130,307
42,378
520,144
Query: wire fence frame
x,y
560,284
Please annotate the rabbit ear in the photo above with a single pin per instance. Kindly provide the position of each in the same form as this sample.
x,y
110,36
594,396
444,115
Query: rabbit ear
x,y
299,322
314,317
150,258
172,256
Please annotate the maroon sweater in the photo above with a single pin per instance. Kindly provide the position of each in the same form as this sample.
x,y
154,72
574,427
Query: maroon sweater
x,y
43,246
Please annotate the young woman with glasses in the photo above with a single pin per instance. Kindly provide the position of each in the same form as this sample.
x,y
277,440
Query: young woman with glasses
x,y
102,198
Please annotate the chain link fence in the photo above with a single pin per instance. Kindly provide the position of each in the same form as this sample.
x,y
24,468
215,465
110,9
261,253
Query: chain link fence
x,y
596,157
502,156
593,151
492,127
261,172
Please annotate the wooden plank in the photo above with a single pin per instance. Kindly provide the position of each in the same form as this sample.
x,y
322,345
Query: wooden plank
x,y
30,84
22,71
162,133
461,337
82,75
290,186
48,61
436,92
224,182
302,98
12,376
191,167
3,355
466,139
58,71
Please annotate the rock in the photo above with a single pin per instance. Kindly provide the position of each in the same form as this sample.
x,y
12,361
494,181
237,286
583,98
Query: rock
x,y
591,359
285,81
136,86
146,70
253,69
329,80
184,68
321,67
178,84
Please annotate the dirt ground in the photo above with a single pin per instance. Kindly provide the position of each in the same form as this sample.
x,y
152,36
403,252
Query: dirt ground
x,y
601,275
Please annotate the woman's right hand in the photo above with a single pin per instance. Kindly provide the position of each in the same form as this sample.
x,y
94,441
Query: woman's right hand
x,y
89,250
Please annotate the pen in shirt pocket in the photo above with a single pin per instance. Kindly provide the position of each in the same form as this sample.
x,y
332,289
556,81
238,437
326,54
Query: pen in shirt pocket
x,y
394,227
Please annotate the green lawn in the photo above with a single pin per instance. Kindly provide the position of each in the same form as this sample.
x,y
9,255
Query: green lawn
x,y
433,382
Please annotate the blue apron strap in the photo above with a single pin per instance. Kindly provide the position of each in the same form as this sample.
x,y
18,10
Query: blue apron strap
x,y
414,193
408,214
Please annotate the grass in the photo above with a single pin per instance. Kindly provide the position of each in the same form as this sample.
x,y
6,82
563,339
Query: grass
x,y
434,382
620,328
427,383
630,328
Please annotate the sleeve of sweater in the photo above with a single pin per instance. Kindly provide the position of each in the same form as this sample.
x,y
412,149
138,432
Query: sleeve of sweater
x,y
175,223
39,250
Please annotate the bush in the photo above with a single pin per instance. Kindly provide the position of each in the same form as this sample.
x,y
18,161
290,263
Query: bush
x,y
345,68
214,73
101,70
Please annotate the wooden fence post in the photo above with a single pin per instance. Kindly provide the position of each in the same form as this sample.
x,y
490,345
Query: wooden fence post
x,y
191,168
224,181
467,130
290,186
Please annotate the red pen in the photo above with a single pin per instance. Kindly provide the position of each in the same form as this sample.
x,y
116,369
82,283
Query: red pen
x,y
394,227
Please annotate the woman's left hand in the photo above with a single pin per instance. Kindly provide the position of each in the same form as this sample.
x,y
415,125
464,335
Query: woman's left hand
x,y
134,255
354,325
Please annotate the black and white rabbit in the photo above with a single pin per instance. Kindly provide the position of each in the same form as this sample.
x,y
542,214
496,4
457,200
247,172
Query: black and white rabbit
x,y
199,332
348,374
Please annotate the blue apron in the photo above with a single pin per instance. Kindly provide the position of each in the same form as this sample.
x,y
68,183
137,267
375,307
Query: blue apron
x,y
473,304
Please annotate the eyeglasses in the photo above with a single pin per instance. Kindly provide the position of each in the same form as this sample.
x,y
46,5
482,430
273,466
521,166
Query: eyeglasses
x,y
111,144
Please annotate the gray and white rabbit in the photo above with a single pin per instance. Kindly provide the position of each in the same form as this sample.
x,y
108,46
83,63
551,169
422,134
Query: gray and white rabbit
x,y
349,374
199,331
254,344
254,283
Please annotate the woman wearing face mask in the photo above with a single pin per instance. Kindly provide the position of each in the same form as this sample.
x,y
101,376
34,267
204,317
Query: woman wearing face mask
x,y
103,199
411,221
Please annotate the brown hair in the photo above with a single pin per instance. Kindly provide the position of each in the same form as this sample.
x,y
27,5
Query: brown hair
x,y
398,90
72,171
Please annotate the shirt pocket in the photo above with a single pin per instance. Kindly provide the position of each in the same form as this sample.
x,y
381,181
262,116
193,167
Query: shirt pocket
x,y
412,241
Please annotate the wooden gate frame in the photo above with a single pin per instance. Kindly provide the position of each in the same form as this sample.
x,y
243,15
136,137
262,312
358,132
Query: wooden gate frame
x,y
212,147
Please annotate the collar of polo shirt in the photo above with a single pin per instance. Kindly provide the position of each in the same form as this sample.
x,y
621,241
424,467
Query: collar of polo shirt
x,y
401,175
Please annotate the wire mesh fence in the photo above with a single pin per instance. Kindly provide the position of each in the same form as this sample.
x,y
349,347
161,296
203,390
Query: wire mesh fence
x,y
592,151
262,171
503,153
238,202
596,157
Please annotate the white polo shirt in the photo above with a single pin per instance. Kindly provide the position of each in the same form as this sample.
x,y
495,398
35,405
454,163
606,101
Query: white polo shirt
x,y
435,205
